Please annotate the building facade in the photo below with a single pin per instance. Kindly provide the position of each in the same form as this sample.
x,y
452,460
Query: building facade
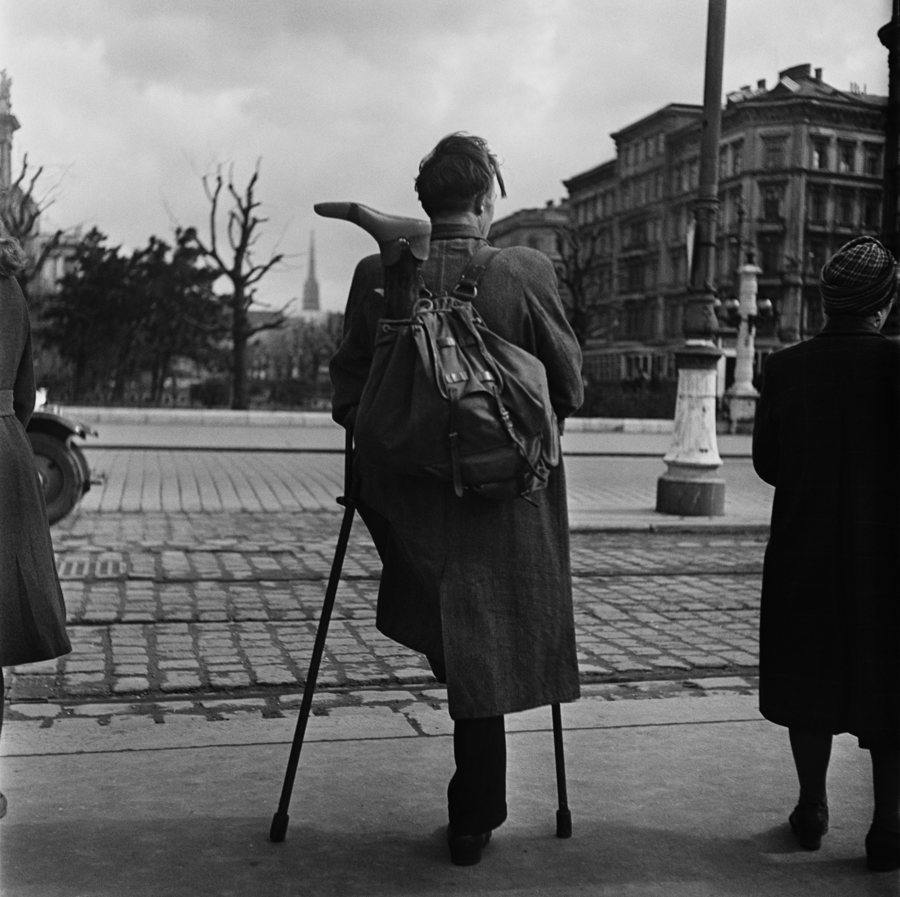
x,y
532,227
800,173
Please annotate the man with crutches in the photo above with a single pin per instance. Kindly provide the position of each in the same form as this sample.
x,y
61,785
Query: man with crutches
x,y
481,587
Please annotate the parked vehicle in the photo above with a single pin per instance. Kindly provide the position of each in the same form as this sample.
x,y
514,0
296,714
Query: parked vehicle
x,y
62,467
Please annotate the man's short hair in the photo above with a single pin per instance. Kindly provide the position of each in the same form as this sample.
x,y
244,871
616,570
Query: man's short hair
x,y
456,173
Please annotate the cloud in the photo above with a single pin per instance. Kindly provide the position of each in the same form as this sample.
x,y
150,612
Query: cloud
x,y
128,102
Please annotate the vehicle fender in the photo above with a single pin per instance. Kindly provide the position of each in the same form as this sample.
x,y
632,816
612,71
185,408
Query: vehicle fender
x,y
56,425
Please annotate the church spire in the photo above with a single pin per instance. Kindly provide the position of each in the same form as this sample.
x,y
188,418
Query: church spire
x,y
311,287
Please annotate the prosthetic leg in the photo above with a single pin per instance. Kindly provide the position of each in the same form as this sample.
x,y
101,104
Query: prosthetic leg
x,y
404,245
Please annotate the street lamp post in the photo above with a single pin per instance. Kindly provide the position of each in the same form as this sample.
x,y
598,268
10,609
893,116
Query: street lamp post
x,y
742,394
689,487
890,36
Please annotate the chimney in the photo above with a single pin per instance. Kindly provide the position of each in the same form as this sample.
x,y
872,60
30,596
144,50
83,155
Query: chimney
x,y
761,84
818,74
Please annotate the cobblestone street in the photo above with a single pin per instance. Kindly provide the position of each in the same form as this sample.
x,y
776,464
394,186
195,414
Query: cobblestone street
x,y
166,604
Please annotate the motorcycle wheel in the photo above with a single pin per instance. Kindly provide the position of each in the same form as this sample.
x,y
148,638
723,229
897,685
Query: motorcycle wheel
x,y
60,475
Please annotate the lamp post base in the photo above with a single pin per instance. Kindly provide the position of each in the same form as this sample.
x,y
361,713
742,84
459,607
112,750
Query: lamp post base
x,y
689,488
703,497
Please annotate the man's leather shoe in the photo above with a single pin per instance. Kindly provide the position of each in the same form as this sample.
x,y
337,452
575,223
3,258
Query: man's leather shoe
x,y
465,850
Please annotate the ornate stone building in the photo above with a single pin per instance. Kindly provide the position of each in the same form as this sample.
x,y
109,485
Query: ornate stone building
x,y
800,173
532,227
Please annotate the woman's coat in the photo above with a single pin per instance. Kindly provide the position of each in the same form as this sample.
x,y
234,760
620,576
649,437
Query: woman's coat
x,y
32,613
827,436
483,588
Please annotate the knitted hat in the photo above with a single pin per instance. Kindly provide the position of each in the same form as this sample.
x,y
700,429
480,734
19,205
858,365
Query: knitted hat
x,y
859,279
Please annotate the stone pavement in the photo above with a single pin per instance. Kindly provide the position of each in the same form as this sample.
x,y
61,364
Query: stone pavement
x,y
605,491
162,604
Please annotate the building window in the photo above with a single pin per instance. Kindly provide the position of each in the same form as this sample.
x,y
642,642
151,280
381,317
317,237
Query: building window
x,y
872,211
818,205
774,151
677,264
637,320
820,153
672,318
772,197
605,278
817,256
873,160
769,254
845,208
632,276
812,313
737,157
723,163
846,157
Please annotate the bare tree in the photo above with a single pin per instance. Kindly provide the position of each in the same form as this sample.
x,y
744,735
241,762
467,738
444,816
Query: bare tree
x,y
233,259
21,206
579,250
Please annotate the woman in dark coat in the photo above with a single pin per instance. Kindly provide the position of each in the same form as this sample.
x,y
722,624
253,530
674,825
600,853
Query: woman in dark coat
x,y
482,588
32,613
827,436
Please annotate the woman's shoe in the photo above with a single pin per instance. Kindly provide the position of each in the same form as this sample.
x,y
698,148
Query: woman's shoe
x,y
809,822
465,850
882,849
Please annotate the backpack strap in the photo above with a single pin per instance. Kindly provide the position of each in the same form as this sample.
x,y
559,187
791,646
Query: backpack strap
x,y
467,287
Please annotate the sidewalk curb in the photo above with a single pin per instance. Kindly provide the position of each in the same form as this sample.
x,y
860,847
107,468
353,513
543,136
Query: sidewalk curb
x,y
219,417
682,525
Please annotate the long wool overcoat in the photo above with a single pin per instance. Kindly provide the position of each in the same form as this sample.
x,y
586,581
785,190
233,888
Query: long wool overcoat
x,y
827,436
482,587
32,613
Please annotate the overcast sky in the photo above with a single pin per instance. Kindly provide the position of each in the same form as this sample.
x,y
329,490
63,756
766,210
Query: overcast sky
x,y
126,103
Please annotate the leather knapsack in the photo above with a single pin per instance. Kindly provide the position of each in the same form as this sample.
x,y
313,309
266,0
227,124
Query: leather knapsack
x,y
448,398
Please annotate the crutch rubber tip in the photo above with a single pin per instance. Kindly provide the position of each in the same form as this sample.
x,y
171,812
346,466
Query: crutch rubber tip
x,y
563,824
279,827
